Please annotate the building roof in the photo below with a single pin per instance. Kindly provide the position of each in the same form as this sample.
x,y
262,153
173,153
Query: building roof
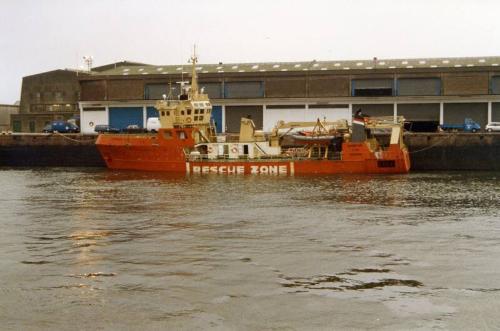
x,y
120,64
132,68
75,71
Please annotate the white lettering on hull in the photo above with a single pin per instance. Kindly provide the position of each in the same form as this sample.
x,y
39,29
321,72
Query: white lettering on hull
x,y
239,169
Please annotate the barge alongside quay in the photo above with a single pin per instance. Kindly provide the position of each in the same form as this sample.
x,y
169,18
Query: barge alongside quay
x,y
187,143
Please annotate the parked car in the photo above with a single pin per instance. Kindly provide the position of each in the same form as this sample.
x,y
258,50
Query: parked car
x,y
153,124
101,128
133,128
468,126
61,127
493,126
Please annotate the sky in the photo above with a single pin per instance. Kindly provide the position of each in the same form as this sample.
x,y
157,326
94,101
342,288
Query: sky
x,y
43,35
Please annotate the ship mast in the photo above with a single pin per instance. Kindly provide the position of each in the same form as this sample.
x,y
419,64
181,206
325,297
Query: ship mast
x,y
194,78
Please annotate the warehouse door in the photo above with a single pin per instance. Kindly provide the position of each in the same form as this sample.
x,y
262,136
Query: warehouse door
x,y
91,117
151,112
374,109
235,113
121,117
421,117
216,117
456,113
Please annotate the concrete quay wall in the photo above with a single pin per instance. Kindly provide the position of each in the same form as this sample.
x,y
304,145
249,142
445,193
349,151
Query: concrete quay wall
x,y
49,150
429,151
454,151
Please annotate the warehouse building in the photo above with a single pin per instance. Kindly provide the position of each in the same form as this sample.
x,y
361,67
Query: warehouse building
x,y
427,92
45,97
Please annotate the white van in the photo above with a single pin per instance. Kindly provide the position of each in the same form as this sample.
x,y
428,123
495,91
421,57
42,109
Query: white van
x,y
153,124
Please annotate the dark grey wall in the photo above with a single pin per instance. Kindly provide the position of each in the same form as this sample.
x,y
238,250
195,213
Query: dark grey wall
x,y
374,109
419,111
235,113
455,113
495,112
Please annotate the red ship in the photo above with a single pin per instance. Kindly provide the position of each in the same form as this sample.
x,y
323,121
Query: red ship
x,y
187,143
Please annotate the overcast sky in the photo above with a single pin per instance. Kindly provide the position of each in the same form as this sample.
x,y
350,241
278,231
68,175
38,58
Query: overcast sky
x,y
38,36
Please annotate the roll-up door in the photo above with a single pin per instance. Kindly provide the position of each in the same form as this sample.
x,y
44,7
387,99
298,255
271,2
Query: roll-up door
x,y
495,112
121,117
91,117
372,87
151,112
419,86
419,112
374,109
235,113
243,90
156,91
213,89
216,117
456,113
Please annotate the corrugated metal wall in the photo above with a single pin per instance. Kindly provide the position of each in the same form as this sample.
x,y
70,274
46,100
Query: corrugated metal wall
x,y
243,90
455,113
329,86
235,113
465,84
125,89
213,89
419,86
495,85
121,117
374,109
286,87
156,91
419,111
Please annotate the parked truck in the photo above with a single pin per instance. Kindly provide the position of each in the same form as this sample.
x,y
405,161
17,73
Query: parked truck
x,y
468,126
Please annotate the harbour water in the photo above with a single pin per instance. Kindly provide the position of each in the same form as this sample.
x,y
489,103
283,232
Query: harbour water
x,y
100,249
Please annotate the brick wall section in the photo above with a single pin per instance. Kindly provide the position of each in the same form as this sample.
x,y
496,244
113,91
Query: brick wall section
x,y
329,86
286,87
465,84
93,90
126,89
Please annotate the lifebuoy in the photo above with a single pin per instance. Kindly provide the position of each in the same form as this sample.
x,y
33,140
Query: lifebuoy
x,y
234,149
188,120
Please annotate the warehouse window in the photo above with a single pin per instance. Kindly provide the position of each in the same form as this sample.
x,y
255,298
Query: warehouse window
x,y
372,87
495,85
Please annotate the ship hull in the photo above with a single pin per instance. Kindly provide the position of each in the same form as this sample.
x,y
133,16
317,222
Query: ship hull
x,y
152,153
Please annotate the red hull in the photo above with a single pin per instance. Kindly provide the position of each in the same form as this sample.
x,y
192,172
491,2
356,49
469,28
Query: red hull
x,y
155,153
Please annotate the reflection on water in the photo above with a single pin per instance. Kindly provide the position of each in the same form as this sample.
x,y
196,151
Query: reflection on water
x,y
137,250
